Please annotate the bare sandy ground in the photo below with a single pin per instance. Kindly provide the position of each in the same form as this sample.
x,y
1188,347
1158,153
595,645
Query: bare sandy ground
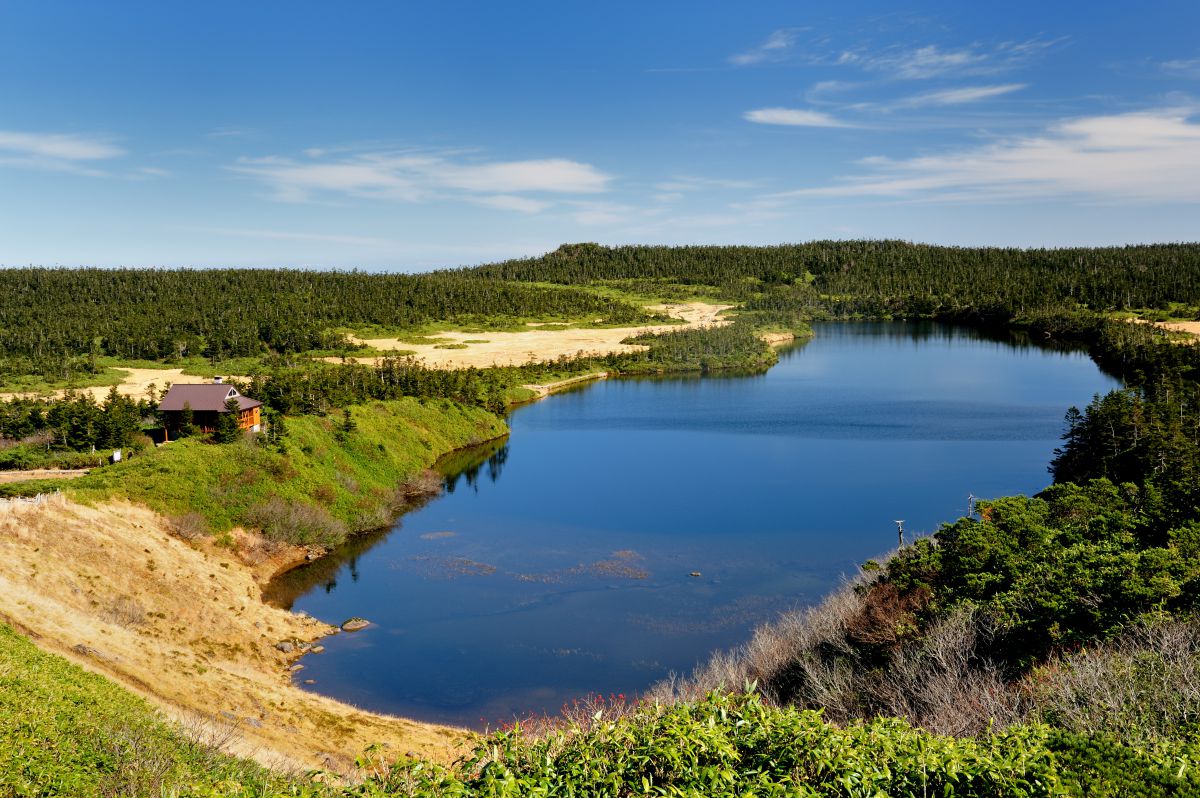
x,y
185,626
41,473
1190,327
542,343
136,384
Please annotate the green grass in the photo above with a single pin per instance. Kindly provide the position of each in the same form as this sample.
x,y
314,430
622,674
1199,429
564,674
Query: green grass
x,y
67,732
347,480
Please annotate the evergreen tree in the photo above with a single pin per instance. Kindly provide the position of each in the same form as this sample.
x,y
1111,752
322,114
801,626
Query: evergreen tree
x,y
187,421
228,428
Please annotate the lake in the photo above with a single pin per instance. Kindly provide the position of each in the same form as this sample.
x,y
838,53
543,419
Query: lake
x,y
630,527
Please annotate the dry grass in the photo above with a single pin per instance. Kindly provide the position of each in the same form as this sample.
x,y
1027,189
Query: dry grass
x,y
856,655
183,624
1143,685
860,654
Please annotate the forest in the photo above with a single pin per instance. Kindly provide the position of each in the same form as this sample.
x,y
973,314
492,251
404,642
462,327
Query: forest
x,y
167,315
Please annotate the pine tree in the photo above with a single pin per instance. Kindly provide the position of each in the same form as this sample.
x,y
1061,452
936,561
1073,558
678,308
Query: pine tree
x,y
187,421
228,429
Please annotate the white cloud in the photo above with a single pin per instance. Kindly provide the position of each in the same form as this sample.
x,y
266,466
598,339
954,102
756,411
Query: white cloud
x,y
417,177
554,175
509,202
932,61
776,48
1187,67
1146,156
967,94
795,117
58,146
923,62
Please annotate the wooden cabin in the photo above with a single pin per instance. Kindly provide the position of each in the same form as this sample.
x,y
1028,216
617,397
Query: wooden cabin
x,y
207,401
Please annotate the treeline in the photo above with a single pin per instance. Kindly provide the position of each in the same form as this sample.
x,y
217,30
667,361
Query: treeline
x,y
879,278
53,320
75,422
317,388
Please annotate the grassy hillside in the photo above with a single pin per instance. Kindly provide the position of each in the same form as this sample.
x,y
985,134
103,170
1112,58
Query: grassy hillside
x,y
320,484
67,732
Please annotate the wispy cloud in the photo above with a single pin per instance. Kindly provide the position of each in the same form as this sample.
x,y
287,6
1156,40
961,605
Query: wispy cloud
x,y
777,47
412,176
1185,67
932,61
1147,156
794,117
959,96
923,62
55,151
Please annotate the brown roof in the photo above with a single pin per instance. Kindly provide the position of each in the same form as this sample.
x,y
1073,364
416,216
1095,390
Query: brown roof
x,y
204,397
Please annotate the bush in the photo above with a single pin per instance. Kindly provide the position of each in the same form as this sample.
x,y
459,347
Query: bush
x,y
296,523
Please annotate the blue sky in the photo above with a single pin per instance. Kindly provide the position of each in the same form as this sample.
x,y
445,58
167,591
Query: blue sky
x,y
415,135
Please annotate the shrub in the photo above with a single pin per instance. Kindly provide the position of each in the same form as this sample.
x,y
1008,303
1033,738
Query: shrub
x,y
296,523
189,526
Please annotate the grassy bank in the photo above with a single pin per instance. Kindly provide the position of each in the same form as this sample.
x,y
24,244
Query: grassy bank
x,y
67,732
322,483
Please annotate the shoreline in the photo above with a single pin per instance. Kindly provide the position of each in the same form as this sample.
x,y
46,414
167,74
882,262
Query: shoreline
x,y
184,625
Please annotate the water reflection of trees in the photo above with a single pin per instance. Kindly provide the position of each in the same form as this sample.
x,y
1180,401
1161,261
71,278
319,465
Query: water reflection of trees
x,y
467,465
323,574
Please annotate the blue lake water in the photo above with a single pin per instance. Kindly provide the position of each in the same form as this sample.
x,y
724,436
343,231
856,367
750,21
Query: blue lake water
x,y
558,563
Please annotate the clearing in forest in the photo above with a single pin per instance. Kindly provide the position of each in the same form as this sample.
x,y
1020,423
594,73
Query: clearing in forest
x,y
540,342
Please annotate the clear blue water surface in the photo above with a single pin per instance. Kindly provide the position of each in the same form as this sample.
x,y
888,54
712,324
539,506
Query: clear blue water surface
x,y
560,562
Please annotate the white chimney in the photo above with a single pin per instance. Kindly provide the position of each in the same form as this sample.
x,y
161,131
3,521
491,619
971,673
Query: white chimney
x,y
218,380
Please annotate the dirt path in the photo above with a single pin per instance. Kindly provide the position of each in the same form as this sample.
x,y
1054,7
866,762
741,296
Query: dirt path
x,y
41,473
542,342
135,384
185,626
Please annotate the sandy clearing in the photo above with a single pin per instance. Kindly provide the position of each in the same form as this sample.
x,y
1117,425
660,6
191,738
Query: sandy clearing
x,y
537,343
543,390
42,473
185,626
1190,327
136,384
